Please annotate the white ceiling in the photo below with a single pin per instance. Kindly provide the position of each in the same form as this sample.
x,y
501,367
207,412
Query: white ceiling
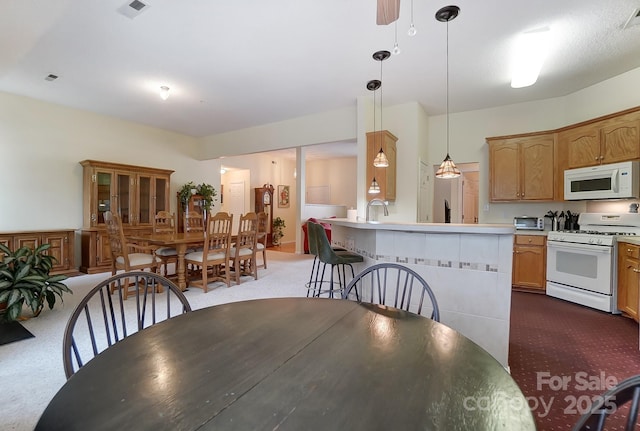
x,y
241,63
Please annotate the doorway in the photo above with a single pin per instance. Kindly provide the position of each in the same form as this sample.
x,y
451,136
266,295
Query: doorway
x,y
458,197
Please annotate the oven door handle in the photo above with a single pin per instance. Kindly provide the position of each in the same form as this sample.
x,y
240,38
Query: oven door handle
x,y
579,247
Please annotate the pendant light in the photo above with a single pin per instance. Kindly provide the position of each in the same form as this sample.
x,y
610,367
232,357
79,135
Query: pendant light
x,y
447,169
412,29
373,85
396,49
380,160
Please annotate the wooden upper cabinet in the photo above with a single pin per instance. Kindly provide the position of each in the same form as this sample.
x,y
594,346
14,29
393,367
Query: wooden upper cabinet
x,y
522,168
582,145
620,142
504,165
612,140
136,193
385,177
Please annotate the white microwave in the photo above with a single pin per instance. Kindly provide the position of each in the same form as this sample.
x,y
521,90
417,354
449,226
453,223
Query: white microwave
x,y
612,181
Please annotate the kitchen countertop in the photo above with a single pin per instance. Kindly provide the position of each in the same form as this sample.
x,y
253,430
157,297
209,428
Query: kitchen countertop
x,y
532,232
499,229
629,239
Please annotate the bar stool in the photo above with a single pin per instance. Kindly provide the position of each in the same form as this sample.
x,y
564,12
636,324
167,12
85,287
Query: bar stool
x,y
337,259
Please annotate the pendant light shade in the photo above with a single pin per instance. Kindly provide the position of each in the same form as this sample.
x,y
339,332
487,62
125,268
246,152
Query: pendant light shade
x,y
447,169
380,160
374,189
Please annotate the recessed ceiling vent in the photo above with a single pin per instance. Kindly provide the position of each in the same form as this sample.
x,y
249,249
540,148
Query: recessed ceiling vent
x,y
132,9
633,20
51,77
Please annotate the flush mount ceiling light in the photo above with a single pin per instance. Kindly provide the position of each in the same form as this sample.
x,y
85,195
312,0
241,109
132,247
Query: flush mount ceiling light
x,y
164,92
223,170
530,52
447,169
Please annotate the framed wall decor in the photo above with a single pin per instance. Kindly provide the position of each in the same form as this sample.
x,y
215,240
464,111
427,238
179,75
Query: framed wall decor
x,y
283,196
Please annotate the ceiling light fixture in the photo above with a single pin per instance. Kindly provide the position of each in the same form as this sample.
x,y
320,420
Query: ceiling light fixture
x,y
530,53
164,92
396,49
412,30
447,169
373,85
223,170
380,160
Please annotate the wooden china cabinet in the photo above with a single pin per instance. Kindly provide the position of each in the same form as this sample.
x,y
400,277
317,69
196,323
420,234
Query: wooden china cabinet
x,y
264,203
136,193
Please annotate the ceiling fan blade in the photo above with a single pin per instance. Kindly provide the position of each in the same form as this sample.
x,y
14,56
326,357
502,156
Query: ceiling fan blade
x,y
388,11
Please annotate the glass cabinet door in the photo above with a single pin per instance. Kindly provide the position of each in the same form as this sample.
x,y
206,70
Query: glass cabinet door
x,y
124,195
161,194
103,182
145,200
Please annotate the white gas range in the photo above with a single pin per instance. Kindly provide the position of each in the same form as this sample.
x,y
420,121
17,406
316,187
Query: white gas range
x,y
581,265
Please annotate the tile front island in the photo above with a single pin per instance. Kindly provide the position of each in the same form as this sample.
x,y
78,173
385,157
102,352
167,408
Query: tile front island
x,y
467,266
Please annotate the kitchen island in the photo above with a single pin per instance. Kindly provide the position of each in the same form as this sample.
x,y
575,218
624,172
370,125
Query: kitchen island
x,y
468,266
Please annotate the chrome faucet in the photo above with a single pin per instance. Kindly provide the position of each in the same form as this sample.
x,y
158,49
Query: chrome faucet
x,y
379,201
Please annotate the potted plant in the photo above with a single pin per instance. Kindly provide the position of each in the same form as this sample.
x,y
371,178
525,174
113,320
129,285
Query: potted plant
x,y
25,279
207,191
278,230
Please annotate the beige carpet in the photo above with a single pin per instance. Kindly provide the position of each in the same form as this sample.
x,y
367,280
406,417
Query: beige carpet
x,y
31,370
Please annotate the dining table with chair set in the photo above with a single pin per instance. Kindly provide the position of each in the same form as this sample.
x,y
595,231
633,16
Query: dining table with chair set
x,y
207,251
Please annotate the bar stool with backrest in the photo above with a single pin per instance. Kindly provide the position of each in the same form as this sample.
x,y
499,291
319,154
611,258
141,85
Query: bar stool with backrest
x,y
312,247
337,260
217,244
165,223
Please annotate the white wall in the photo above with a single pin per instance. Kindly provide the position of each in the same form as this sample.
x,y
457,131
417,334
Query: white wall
x,y
42,143
339,175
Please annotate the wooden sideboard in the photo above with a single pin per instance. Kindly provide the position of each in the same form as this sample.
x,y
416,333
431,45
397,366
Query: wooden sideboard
x,y
61,241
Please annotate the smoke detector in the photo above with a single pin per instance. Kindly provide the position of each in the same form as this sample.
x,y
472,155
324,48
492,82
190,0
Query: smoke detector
x,y
132,9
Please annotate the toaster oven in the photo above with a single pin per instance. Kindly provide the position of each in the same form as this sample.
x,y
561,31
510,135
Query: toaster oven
x,y
528,223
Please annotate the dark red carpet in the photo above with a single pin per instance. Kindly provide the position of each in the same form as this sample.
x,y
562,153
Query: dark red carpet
x,y
562,354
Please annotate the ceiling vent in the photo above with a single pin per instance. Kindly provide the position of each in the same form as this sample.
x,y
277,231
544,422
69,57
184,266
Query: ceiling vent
x,y
51,77
132,9
633,20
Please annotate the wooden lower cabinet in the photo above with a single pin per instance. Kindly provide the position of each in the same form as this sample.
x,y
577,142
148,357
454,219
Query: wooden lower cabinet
x,y
530,263
628,279
96,252
61,241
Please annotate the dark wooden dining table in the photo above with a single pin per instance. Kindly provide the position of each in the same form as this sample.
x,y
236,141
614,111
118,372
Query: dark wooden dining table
x,y
292,364
179,241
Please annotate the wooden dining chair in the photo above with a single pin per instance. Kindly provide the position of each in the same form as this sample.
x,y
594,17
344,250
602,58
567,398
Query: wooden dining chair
x,y
617,408
215,254
394,285
165,222
243,252
127,256
194,222
261,244
101,319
